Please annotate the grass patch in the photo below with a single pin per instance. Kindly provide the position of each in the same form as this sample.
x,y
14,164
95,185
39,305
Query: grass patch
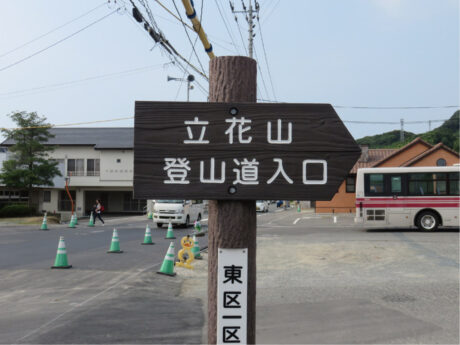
x,y
29,220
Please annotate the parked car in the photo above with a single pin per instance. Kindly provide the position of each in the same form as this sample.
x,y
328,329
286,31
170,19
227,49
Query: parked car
x,y
261,206
177,212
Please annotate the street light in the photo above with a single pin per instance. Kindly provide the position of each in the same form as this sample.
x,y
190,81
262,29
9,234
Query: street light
x,y
189,79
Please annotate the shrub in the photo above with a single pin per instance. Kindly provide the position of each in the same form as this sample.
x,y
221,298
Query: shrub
x,y
16,210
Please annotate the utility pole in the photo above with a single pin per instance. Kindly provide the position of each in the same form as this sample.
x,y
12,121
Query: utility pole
x,y
401,132
232,224
250,30
429,125
250,15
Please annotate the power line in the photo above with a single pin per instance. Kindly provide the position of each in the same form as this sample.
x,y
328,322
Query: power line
x,y
403,107
193,49
261,74
227,27
266,59
69,83
56,43
159,37
189,39
52,30
69,124
241,35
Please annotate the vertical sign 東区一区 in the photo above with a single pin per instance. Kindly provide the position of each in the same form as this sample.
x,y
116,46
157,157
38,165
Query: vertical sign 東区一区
x,y
232,296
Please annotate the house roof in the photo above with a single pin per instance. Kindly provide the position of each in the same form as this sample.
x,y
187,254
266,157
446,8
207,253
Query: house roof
x,y
405,147
428,152
374,155
99,137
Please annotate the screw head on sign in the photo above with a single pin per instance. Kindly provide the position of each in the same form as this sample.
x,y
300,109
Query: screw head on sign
x,y
233,111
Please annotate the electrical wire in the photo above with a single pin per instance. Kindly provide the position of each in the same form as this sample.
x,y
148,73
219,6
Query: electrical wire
x,y
227,27
45,88
57,42
271,11
386,108
68,124
266,59
260,72
52,30
241,35
193,47
189,39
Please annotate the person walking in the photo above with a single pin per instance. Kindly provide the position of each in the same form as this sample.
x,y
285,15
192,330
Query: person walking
x,y
99,209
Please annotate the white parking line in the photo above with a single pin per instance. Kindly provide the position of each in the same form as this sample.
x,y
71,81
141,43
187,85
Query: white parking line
x,y
96,231
295,221
279,210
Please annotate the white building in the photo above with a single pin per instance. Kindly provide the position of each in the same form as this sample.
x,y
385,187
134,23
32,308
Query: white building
x,y
98,163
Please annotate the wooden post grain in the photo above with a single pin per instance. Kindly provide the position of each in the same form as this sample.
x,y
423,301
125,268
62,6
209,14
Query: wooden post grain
x,y
232,224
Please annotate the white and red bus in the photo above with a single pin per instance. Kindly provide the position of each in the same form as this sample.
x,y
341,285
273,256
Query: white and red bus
x,y
425,197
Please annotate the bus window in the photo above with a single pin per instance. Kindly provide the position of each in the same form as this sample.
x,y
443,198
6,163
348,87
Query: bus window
x,y
376,185
454,186
396,184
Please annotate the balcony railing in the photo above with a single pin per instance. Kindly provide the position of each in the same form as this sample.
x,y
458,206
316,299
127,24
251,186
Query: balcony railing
x,y
76,173
82,173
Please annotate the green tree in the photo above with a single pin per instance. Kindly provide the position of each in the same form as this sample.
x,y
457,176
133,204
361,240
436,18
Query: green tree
x,y
29,165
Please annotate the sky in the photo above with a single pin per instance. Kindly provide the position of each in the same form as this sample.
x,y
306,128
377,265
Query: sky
x,y
350,53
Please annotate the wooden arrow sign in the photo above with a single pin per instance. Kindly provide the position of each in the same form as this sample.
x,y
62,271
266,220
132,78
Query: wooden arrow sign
x,y
240,151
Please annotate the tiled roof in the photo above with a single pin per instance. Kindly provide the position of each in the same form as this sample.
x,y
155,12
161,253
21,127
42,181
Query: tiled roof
x,y
428,152
375,155
397,151
99,137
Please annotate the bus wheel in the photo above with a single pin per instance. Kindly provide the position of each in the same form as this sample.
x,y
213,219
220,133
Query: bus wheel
x,y
159,225
427,221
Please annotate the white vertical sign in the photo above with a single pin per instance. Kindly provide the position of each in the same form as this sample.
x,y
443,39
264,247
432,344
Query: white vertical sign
x,y
232,296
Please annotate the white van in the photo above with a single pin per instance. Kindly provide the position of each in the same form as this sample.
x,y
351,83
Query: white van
x,y
177,212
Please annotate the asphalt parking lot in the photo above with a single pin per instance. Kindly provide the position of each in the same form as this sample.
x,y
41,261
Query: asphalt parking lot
x,y
317,282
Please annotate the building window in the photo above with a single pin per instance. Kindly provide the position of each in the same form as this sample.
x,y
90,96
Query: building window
x,y
47,196
64,201
132,205
93,167
75,167
350,186
441,162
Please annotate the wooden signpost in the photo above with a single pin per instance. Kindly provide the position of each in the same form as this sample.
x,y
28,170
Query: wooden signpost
x,y
232,153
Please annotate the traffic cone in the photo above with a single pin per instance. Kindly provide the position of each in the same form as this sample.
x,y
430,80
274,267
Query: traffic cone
x,y
91,220
75,219
170,233
167,268
298,208
72,222
61,256
197,226
115,245
150,215
44,223
196,248
148,236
